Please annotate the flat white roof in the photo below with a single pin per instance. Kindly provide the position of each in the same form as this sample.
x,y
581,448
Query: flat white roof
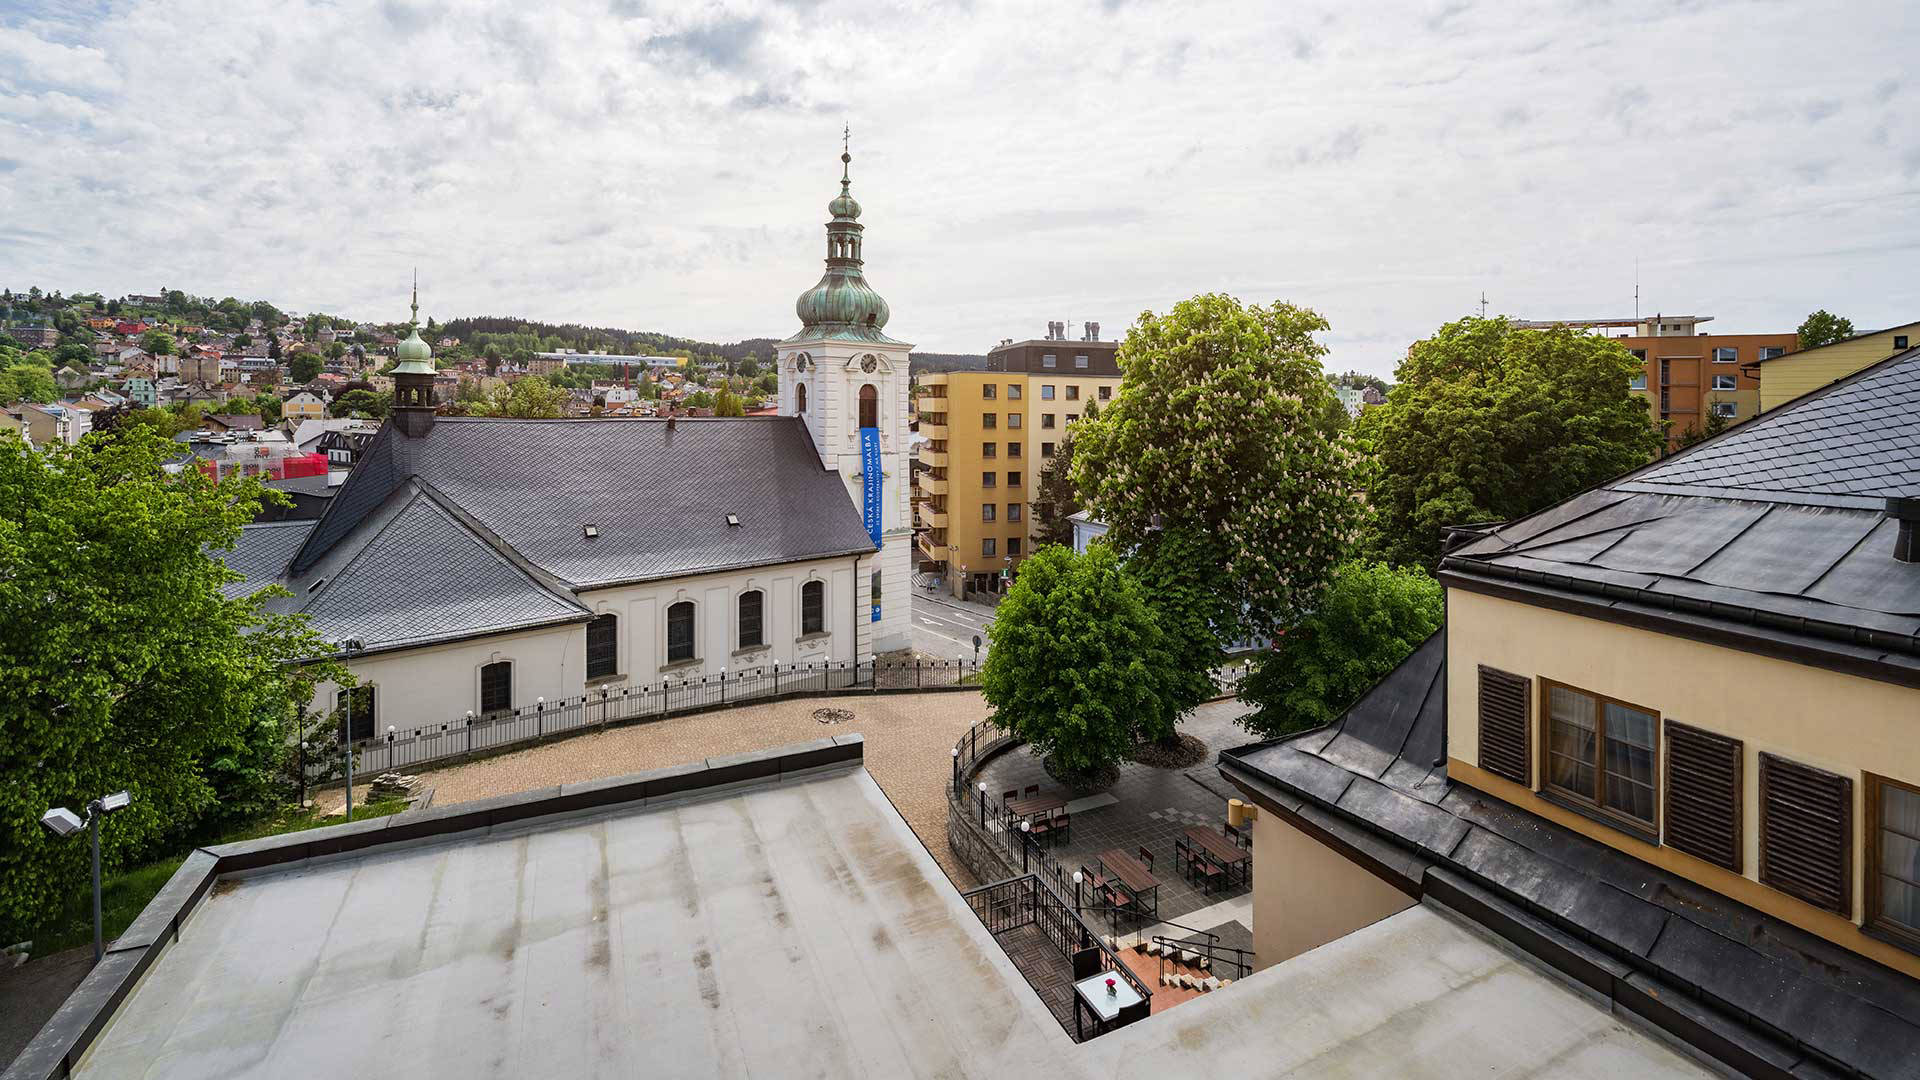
x,y
797,928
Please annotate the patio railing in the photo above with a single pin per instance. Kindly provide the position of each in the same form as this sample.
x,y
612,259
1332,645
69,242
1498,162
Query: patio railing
x,y
1028,901
473,733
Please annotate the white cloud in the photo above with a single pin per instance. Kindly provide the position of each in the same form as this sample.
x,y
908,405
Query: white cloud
x,y
666,165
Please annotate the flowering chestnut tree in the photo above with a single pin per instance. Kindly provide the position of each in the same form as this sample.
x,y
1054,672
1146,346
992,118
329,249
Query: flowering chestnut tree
x,y
1224,425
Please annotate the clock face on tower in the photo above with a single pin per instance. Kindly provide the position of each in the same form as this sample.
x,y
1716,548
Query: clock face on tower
x,y
868,364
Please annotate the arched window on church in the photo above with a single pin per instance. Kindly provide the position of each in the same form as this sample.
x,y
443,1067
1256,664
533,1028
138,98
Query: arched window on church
x,y
800,397
869,406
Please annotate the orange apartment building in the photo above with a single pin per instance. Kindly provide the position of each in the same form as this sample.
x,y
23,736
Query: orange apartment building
x,y
1690,374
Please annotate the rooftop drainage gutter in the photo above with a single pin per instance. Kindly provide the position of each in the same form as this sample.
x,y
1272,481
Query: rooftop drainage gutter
x,y
1853,650
65,1039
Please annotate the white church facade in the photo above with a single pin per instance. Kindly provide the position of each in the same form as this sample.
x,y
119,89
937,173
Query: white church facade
x,y
485,565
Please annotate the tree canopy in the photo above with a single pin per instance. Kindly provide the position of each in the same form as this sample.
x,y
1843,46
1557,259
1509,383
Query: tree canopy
x,y
1823,328
1489,423
531,398
1223,426
157,342
306,367
122,665
1078,668
1370,618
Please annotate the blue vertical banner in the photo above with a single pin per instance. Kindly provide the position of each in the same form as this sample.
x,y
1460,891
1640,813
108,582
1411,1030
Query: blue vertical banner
x,y
870,480
870,505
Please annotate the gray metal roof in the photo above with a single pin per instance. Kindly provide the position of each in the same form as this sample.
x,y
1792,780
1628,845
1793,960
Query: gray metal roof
x,y
659,494
1778,524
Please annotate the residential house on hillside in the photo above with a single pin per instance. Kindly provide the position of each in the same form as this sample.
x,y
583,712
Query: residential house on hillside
x,y
1664,742
306,404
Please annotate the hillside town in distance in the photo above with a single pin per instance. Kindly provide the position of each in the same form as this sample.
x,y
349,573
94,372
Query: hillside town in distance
x,y
529,595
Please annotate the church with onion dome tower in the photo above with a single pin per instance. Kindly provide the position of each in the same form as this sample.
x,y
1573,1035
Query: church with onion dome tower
x,y
478,567
847,381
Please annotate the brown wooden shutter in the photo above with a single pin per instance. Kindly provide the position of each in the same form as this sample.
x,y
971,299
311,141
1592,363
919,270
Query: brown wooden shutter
x,y
1703,795
1806,833
1505,731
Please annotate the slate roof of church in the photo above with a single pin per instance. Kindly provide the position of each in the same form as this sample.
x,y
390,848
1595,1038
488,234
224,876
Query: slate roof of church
x,y
479,525
1778,526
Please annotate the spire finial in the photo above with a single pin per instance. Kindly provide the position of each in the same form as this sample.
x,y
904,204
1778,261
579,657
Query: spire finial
x,y
846,154
416,297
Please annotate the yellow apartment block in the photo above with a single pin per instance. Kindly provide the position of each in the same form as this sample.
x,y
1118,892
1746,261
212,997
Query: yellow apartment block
x,y
989,435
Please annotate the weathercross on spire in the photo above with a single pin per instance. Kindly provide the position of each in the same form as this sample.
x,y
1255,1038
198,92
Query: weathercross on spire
x,y
416,298
846,154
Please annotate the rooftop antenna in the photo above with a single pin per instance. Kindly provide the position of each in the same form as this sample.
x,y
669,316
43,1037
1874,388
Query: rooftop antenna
x,y
1483,303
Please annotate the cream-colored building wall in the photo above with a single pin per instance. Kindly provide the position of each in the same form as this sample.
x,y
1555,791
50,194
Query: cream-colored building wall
x,y
1842,723
1307,894
1787,377
642,610
439,683
1088,387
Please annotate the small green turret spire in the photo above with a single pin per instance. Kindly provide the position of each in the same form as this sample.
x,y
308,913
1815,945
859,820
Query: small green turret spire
x,y
415,356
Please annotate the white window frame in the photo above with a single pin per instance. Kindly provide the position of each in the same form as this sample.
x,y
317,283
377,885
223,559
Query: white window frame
x,y
1730,383
1732,357
1727,409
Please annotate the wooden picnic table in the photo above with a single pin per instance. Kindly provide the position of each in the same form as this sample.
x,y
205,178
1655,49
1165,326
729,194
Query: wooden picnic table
x,y
1223,850
1131,871
1035,804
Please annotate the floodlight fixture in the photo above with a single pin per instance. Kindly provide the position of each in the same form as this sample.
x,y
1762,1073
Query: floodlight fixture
x,y
61,821
116,802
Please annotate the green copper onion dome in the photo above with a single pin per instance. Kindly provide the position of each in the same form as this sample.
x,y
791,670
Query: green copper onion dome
x,y
415,357
842,305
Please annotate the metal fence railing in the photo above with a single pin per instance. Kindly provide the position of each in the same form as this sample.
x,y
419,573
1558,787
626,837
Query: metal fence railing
x,y
1028,901
401,748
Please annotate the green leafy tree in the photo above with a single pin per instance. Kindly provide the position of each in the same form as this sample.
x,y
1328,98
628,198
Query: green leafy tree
x,y
1177,574
363,403
157,342
699,399
306,367
336,349
273,347
727,403
1058,500
1823,328
1219,427
27,382
1697,433
1489,423
1369,619
76,355
531,398
492,355
122,665
1078,667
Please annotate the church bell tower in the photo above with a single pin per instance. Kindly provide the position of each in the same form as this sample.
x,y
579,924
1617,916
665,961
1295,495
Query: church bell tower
x,y
847,381
413,378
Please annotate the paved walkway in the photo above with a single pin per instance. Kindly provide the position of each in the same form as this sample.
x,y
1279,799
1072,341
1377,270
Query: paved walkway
x,y
1147,807
909,748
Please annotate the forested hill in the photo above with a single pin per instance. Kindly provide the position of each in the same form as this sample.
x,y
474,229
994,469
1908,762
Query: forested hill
x,y
552,336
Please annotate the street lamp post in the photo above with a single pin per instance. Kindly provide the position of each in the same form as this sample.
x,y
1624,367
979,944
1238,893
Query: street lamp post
x,y
347,649
63,822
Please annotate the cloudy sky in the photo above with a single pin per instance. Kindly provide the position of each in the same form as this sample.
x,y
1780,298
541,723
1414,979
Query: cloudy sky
x,y
666,166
